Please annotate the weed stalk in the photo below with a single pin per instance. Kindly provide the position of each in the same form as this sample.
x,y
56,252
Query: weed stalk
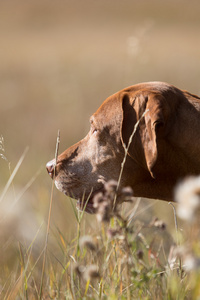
x,y
49,217
125,155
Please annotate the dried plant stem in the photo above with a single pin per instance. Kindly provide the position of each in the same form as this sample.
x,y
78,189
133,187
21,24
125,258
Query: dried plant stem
x,y
175,219
125,155
49,218
176,227
20,194
13,174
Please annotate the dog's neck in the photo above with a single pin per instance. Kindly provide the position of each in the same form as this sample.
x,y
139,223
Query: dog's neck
x,y
185,140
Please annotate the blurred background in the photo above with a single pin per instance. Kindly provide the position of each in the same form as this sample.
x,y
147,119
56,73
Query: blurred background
x,y
58,61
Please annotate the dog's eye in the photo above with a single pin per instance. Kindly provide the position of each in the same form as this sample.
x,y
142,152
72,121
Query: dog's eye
x,y
93,127
94,131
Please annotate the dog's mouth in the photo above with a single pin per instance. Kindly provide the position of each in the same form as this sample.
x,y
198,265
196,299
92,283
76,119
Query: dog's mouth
x,y
85,202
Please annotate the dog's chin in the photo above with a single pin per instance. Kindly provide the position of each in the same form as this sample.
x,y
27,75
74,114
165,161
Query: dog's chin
x,y
83,203
59,185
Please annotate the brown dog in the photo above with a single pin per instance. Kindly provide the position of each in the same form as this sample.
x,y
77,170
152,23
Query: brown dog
x,y
165,146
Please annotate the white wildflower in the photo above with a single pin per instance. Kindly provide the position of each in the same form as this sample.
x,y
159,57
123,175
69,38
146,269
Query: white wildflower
x,y
191,263
187,194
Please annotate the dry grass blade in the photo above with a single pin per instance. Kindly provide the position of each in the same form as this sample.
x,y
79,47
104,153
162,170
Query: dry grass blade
x,y
30,182
13,174
49,218
133,212
177,236
126,153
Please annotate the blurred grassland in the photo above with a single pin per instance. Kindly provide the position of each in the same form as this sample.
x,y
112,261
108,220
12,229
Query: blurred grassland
x,y
58,61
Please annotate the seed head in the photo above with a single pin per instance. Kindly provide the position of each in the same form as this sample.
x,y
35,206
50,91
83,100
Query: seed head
x,y
98,199
112,233
127,191
140,254
160,224
91,272
87,242
111,186
104,212
79,269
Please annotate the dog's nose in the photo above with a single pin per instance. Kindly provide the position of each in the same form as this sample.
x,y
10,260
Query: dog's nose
x,y
50,166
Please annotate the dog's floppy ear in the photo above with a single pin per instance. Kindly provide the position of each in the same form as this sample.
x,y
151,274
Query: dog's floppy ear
x,y
150,111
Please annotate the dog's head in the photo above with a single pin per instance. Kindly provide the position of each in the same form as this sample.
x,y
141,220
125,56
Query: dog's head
x,y
82,170
130,123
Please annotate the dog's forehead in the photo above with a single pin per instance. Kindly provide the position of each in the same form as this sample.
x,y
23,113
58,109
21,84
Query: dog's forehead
x,y
110,108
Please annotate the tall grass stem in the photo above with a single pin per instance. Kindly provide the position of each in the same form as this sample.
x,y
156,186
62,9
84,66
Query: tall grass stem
x,y
49,218
10,180
125,155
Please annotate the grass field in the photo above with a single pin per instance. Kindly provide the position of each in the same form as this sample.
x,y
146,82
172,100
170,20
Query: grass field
x,y
58,61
